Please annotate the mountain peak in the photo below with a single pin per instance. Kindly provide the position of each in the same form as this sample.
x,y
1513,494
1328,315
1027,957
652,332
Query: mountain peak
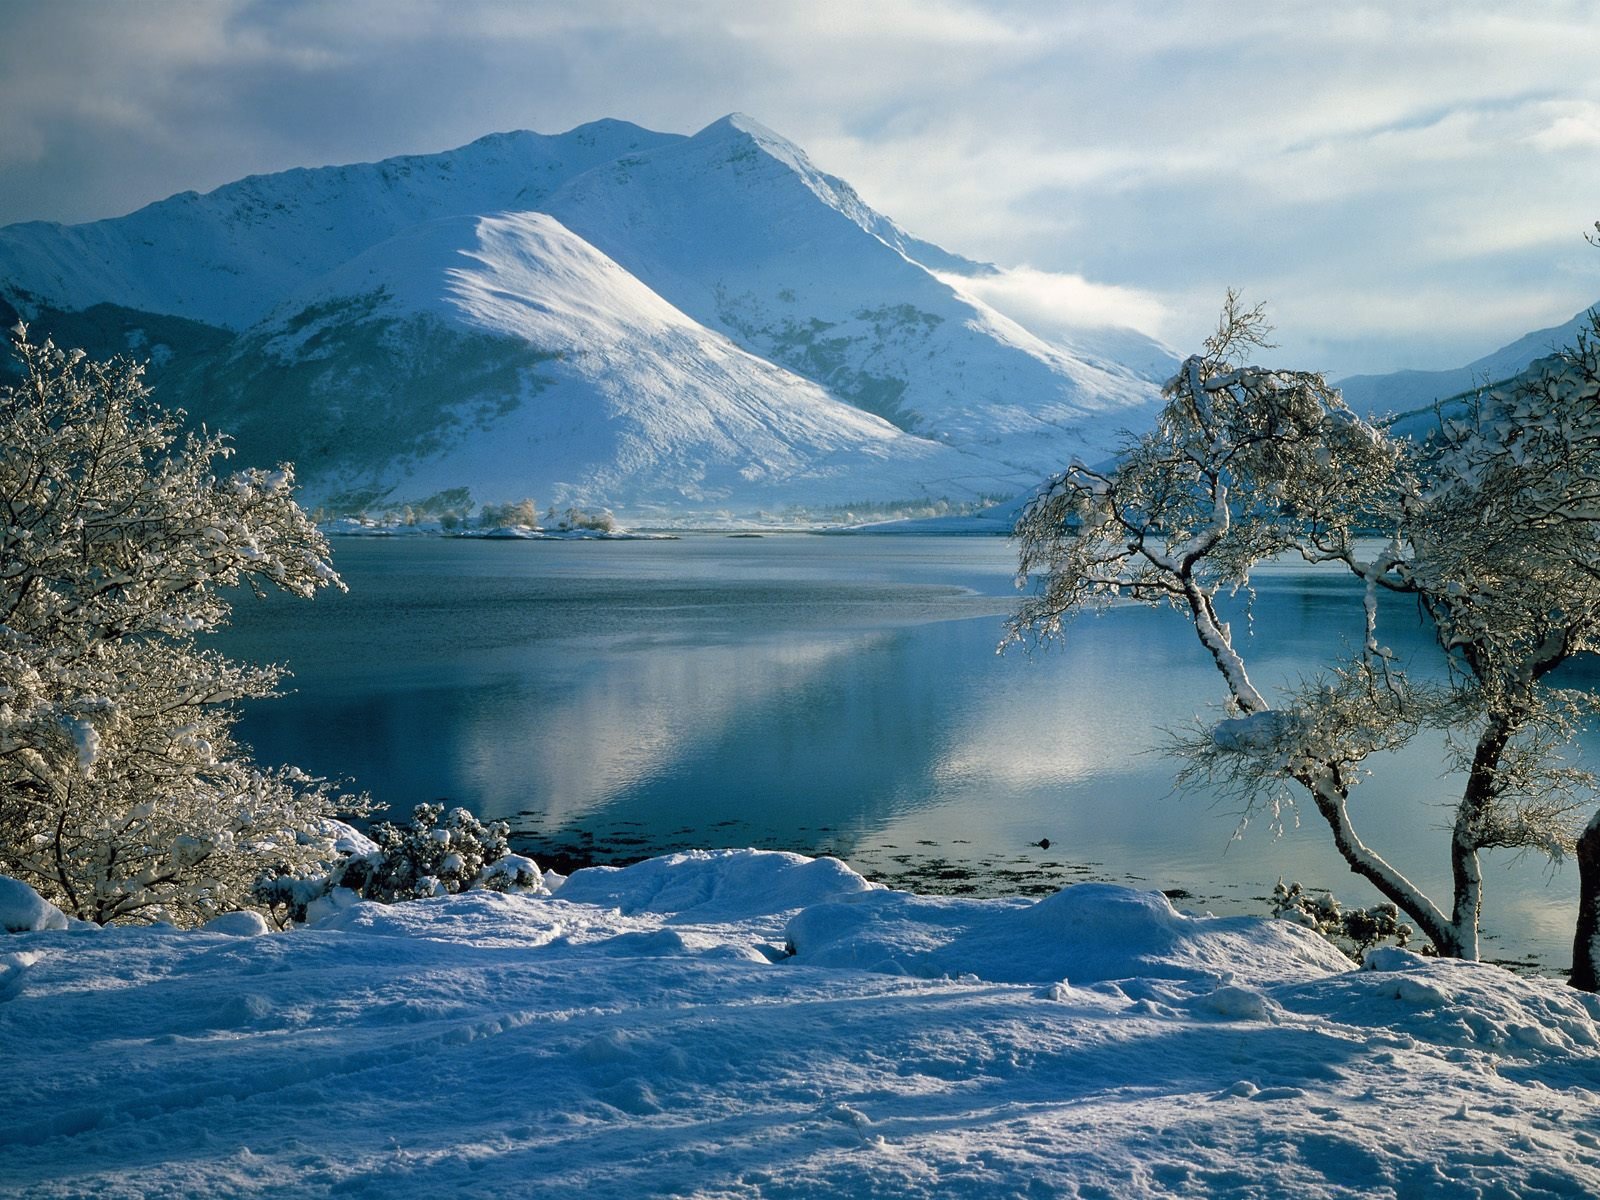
x,y
737,127
609,131
738,122
607,315
734,136
604,137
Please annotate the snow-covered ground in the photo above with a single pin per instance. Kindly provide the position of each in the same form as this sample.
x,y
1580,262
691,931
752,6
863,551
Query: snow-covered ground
x,y
644,1032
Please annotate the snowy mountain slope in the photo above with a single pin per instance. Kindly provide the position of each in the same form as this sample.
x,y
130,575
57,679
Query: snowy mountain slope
x,y
1402,391
737,228
547,370
231,256
321,316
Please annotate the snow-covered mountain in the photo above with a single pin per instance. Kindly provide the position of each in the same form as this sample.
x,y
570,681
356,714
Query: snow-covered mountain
x,y
574,379
672,326
1404,391
803,273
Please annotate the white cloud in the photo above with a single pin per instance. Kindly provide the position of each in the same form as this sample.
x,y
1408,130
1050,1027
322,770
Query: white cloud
x,y
1050,303
1572,126
1378,153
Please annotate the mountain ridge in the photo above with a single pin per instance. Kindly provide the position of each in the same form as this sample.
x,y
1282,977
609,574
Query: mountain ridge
x,y
1406,390
758,336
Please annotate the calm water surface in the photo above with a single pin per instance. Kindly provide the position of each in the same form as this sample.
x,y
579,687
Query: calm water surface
x,y
830,695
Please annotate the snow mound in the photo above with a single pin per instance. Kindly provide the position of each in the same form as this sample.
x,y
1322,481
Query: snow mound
x,y
716,885
1469,1008
473,917
487,1044
23,910
1085,933
530,921
237,924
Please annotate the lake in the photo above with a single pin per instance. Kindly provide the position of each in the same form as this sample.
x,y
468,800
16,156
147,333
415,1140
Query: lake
x,y
831,694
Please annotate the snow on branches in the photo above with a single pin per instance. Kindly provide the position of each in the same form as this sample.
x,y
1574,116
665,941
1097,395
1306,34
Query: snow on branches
x,y
1491,523
122,794
435,854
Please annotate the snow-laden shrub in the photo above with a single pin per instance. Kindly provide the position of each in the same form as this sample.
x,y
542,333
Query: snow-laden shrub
x,y
524,513
1354,930
23,910
512,873
123,796
436,854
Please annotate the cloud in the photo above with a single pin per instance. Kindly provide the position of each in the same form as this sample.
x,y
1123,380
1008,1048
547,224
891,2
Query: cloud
x,y
1389,155
1052,304
1570,125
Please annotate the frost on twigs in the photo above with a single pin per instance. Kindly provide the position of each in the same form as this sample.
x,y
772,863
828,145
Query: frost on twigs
x,y
122,793
1490,526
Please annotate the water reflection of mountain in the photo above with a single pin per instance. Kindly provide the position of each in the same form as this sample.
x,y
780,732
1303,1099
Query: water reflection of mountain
x,y
789,741
686,686
827,695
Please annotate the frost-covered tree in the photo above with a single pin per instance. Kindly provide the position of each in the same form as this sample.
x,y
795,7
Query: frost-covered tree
x,y
523,512
1488,523
599,520
122,793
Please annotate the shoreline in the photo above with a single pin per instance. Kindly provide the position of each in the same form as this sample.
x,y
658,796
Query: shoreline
x,y
924,872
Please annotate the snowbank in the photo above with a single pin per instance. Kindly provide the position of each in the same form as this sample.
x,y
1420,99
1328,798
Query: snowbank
x,y
716,885
22,910
639,1033
1085,934
238,924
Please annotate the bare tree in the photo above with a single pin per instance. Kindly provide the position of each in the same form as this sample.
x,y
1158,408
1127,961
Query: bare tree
x,y
122,793
1488,523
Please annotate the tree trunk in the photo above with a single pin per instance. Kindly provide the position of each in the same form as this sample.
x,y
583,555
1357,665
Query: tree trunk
x,y
1586,942
1465,869
1331,799
1467,876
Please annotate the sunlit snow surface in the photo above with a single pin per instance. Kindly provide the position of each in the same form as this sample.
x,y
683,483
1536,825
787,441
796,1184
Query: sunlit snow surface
x,y
642,1033
678,328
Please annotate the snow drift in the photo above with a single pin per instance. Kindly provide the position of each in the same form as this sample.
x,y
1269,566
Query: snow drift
x,y
640,1032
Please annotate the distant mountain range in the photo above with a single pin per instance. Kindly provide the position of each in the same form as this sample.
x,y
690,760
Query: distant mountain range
x,y
1406,391
683,329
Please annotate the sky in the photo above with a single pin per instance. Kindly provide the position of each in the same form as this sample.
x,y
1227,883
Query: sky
x,y
1403,184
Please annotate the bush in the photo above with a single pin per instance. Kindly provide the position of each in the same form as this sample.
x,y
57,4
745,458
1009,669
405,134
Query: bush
x,y
122,793
600,521
503,516
437,854
1353,930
